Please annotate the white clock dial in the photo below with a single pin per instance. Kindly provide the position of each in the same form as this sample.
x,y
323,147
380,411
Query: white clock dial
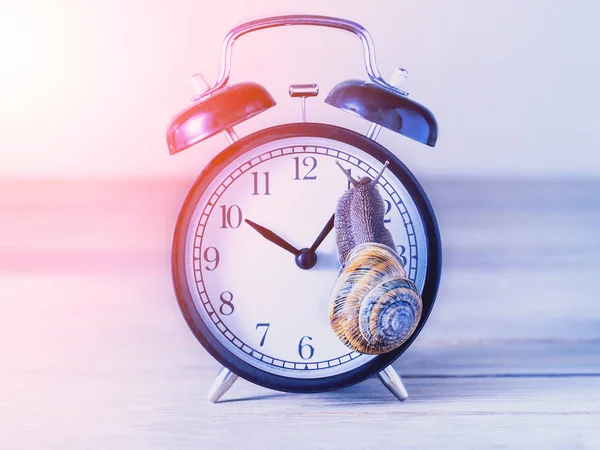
x,y
250,292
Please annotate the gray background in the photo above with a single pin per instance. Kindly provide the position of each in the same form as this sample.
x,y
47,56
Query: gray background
x,y
88,88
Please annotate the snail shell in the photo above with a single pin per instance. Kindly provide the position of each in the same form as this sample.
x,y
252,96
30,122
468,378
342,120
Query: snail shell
x,y
374,308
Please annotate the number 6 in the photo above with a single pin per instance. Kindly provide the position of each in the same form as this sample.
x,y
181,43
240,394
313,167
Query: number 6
x,y
302,346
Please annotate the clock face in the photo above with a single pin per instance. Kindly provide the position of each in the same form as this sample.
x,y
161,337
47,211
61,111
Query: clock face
x,y
250,295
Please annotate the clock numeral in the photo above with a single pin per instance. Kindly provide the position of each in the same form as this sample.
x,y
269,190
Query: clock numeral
x,y
401,251
226,307
255,178
231,217
388,208
302,348
211,259
349,184
266,326
308,161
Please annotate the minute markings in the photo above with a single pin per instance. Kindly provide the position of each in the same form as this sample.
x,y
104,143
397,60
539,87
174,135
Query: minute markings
x,y
307,340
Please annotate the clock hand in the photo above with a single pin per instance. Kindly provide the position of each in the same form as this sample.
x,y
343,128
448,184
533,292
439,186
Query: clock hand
x,y
274,238
324,232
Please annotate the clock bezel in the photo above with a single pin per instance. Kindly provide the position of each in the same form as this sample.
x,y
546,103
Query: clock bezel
x,y
185,299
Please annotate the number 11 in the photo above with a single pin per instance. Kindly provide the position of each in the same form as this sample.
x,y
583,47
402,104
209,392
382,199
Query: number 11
x,y
255,177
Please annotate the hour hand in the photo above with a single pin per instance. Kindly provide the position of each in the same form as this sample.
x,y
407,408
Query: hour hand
x,y
274,238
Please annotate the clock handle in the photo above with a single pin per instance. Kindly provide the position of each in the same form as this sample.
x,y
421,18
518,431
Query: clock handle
x,y
223,382
322,21
391,380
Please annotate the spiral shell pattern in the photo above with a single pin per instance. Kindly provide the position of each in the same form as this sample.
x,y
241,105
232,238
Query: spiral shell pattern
x,y
374,308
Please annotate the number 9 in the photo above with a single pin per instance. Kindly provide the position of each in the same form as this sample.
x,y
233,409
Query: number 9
x,y
214,259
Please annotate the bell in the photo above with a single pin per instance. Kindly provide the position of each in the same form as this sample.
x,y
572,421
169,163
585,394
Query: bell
x,y
220,110
387,108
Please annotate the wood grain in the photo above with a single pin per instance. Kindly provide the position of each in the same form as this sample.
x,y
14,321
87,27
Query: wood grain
x,y
95,354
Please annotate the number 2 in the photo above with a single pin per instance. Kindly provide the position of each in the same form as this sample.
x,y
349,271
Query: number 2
x,y
388,208
388,204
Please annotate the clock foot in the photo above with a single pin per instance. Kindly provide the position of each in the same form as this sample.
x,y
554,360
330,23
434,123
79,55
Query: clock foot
x,y
222,384
391,380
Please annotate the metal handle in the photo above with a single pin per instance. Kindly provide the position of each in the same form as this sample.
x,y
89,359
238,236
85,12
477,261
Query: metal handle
x,y
279,21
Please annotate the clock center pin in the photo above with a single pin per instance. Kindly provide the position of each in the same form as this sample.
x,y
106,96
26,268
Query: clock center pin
x,y
306,259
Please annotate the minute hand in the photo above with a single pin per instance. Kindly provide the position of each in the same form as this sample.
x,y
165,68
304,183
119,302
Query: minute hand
x,y
274,238
324,232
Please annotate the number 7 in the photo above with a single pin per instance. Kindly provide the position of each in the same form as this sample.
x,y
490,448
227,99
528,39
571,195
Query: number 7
x,y
267,325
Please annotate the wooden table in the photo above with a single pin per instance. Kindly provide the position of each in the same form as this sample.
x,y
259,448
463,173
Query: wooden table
x,y
95,353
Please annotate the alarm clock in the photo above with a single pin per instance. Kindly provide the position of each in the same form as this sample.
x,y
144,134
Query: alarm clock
x,y
253,255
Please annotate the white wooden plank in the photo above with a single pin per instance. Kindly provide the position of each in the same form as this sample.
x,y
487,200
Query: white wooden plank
x,y
152,410
94,352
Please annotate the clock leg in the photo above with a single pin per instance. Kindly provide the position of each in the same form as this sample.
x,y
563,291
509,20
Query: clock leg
x,y
391,380
224,381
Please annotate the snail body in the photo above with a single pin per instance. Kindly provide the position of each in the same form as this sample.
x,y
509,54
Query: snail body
x,y
374,307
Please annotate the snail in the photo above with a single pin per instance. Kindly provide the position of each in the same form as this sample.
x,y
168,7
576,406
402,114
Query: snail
x,y
373,308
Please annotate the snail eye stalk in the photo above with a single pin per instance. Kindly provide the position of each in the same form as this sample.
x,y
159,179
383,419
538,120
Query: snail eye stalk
x,y
380,172
347,173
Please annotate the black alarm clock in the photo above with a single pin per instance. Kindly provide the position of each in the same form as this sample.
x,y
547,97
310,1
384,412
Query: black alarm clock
x,y
253,259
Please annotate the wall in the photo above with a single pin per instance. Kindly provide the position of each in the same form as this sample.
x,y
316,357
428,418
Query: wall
x,y
88,88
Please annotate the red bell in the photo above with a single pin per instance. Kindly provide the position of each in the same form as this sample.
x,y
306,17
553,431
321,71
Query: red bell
x,y
220,110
